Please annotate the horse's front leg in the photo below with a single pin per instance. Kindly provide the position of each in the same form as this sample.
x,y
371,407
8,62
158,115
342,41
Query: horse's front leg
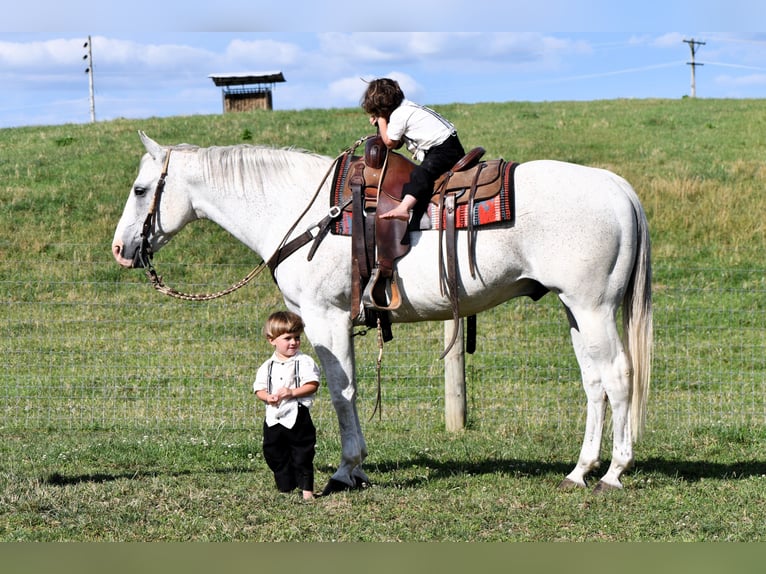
x,y
334,347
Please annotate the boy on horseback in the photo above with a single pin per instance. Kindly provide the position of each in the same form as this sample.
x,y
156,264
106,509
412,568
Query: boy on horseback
x,y
431,139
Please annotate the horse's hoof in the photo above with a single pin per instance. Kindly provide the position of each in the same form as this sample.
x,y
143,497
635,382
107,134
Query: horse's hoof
x,y
334,485
603,487
361,483
568,484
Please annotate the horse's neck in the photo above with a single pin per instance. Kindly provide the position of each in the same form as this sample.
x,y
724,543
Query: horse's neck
x,y
257,194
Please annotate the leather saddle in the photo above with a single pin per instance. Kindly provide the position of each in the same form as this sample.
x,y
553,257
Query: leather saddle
x,y
374,184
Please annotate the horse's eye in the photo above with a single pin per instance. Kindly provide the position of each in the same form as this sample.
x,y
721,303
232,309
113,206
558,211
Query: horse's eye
x,y
139,191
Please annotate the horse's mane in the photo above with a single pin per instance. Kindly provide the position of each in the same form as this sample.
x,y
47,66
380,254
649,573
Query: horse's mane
x,y
245,167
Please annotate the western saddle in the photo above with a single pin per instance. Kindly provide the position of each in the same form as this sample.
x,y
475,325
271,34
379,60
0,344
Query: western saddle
x,y
373,185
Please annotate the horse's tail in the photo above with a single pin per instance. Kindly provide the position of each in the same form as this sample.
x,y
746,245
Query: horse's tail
x,y
637,319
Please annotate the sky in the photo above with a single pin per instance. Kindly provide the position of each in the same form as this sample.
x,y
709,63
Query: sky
x,y
154,59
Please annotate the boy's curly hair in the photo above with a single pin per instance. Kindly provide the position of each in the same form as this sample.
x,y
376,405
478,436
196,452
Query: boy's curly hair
x,y
283,322
382,97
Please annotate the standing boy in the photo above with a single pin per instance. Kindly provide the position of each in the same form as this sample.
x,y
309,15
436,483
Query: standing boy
x,y
287,383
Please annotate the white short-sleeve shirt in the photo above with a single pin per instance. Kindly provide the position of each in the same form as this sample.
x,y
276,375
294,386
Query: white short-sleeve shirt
x,y
419,127
294,372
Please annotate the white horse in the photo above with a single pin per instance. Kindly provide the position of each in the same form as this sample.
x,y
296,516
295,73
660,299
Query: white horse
x,y
579,232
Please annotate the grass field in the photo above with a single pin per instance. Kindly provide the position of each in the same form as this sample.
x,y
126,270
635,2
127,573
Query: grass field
x,y
126,417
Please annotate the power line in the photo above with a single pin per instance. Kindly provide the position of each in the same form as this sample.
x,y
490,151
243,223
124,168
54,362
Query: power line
x,y
693,47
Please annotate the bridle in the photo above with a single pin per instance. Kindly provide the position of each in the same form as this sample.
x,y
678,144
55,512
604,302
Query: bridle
x,y
146,252
284,250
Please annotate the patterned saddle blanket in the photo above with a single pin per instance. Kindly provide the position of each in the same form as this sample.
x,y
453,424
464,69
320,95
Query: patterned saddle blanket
x,y
484,192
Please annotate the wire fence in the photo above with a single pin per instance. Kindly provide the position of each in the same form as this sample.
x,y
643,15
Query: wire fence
x,y
88,346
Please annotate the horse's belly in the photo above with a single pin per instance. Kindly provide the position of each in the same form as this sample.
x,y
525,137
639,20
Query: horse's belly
x,y
497,278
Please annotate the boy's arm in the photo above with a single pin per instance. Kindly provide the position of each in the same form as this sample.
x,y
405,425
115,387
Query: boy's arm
x,y
264,395
307,388
382,124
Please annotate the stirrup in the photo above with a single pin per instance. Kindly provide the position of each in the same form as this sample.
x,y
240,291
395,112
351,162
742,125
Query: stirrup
x,y
381,294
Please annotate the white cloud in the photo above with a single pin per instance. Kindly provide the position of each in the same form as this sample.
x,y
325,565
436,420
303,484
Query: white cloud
x,y
748,81
671,40
374,47
347,91
408,47
266,54
41,55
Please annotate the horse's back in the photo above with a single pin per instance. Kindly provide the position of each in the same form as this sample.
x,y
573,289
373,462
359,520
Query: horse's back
x,y
574,224
558,182
566,197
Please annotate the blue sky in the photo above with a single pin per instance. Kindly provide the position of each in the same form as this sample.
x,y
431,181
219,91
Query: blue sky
x,y
154,59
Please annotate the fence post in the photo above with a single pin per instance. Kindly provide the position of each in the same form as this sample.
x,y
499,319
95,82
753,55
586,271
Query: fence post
x,y
454,378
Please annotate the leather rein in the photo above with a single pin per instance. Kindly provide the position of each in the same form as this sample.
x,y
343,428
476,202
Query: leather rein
x,y
285,249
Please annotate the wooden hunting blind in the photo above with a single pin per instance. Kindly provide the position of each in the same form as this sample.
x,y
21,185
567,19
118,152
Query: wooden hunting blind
x,y
247,91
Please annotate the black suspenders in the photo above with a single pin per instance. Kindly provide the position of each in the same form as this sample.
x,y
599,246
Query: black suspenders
x,y
296,375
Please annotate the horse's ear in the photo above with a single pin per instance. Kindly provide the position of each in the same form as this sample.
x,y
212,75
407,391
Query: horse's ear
x,y
152,147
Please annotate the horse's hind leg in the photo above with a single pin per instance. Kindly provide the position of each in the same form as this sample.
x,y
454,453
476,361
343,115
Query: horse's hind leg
x,y
617,383
595,410
605,377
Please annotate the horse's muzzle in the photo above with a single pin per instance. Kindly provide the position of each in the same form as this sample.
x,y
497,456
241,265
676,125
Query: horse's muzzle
x,y
118,253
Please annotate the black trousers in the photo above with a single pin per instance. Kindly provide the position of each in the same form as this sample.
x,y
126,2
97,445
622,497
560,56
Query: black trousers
x,y
290,452
437,161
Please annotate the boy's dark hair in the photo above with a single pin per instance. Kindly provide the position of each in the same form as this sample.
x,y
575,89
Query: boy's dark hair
x,y
282,322
382,97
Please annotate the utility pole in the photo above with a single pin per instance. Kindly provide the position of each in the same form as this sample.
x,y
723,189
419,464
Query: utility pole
x,y
693,47
89,71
